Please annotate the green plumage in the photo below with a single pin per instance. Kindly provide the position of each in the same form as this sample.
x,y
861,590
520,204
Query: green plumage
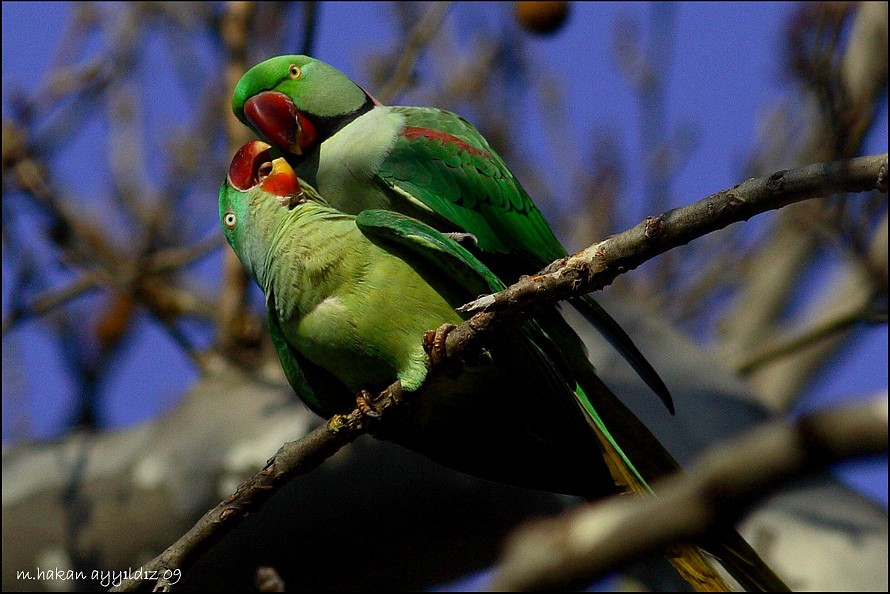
x,y
423,162
472,189
349,299
535,414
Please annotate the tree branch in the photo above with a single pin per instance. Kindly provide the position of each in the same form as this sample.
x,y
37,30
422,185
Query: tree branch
x,y
586,543
53,298
766,289
420,35
235,28
598,265
176,257
292,459
592,268
818,332
310,24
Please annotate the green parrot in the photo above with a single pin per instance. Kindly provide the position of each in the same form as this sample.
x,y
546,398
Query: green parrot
x,y
349,300
427,163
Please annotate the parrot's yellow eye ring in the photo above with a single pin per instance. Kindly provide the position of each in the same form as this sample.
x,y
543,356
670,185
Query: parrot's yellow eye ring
x,y
294,71
230,220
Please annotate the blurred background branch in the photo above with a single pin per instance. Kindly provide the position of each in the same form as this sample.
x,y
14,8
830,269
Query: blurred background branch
x,y
587,543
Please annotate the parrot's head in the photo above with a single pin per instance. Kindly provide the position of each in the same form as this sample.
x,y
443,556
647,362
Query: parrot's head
x,y
254,199
296,102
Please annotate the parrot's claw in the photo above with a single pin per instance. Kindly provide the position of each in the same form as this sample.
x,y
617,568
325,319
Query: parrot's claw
x,y
463,239
434,345
364,403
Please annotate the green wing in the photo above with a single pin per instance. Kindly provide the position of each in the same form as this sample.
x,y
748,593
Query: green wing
x,y
442,161
432,246
418,242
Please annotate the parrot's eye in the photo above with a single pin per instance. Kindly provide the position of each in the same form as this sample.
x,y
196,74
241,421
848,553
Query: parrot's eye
x,y
294,71
229,220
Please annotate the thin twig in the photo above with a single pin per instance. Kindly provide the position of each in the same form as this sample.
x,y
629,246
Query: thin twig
x,y
87,243
292,459
819,332
420,35
53,298
172,258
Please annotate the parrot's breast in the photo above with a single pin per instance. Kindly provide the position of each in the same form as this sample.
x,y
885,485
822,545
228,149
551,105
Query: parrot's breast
x,y
346,165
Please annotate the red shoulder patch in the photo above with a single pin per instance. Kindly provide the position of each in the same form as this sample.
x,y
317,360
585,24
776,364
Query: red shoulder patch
x,y
413,133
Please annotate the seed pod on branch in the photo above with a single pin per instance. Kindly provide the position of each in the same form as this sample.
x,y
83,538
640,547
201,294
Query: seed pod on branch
x,y
541,17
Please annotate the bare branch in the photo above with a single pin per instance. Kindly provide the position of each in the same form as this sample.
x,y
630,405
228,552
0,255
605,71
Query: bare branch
x,y
234,28
53,298
171,258
820,331
771,281
585,544
599,264
292,459
420,35
310,24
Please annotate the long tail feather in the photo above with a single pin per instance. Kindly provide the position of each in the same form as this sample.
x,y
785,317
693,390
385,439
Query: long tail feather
x,y
619,339
635,457
653,461
688,560
736,555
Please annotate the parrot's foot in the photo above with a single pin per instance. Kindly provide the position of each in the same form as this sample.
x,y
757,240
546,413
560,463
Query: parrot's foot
x,y
463,239
364,402
434,345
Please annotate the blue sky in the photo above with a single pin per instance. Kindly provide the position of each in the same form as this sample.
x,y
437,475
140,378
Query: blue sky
x,y
723,77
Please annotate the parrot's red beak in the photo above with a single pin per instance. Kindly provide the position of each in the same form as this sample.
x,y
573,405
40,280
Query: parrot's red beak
x,y
252,165
279,120
245,166
278,178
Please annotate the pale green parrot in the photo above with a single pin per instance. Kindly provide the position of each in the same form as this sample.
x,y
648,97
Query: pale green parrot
x,y
427,163
349,299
